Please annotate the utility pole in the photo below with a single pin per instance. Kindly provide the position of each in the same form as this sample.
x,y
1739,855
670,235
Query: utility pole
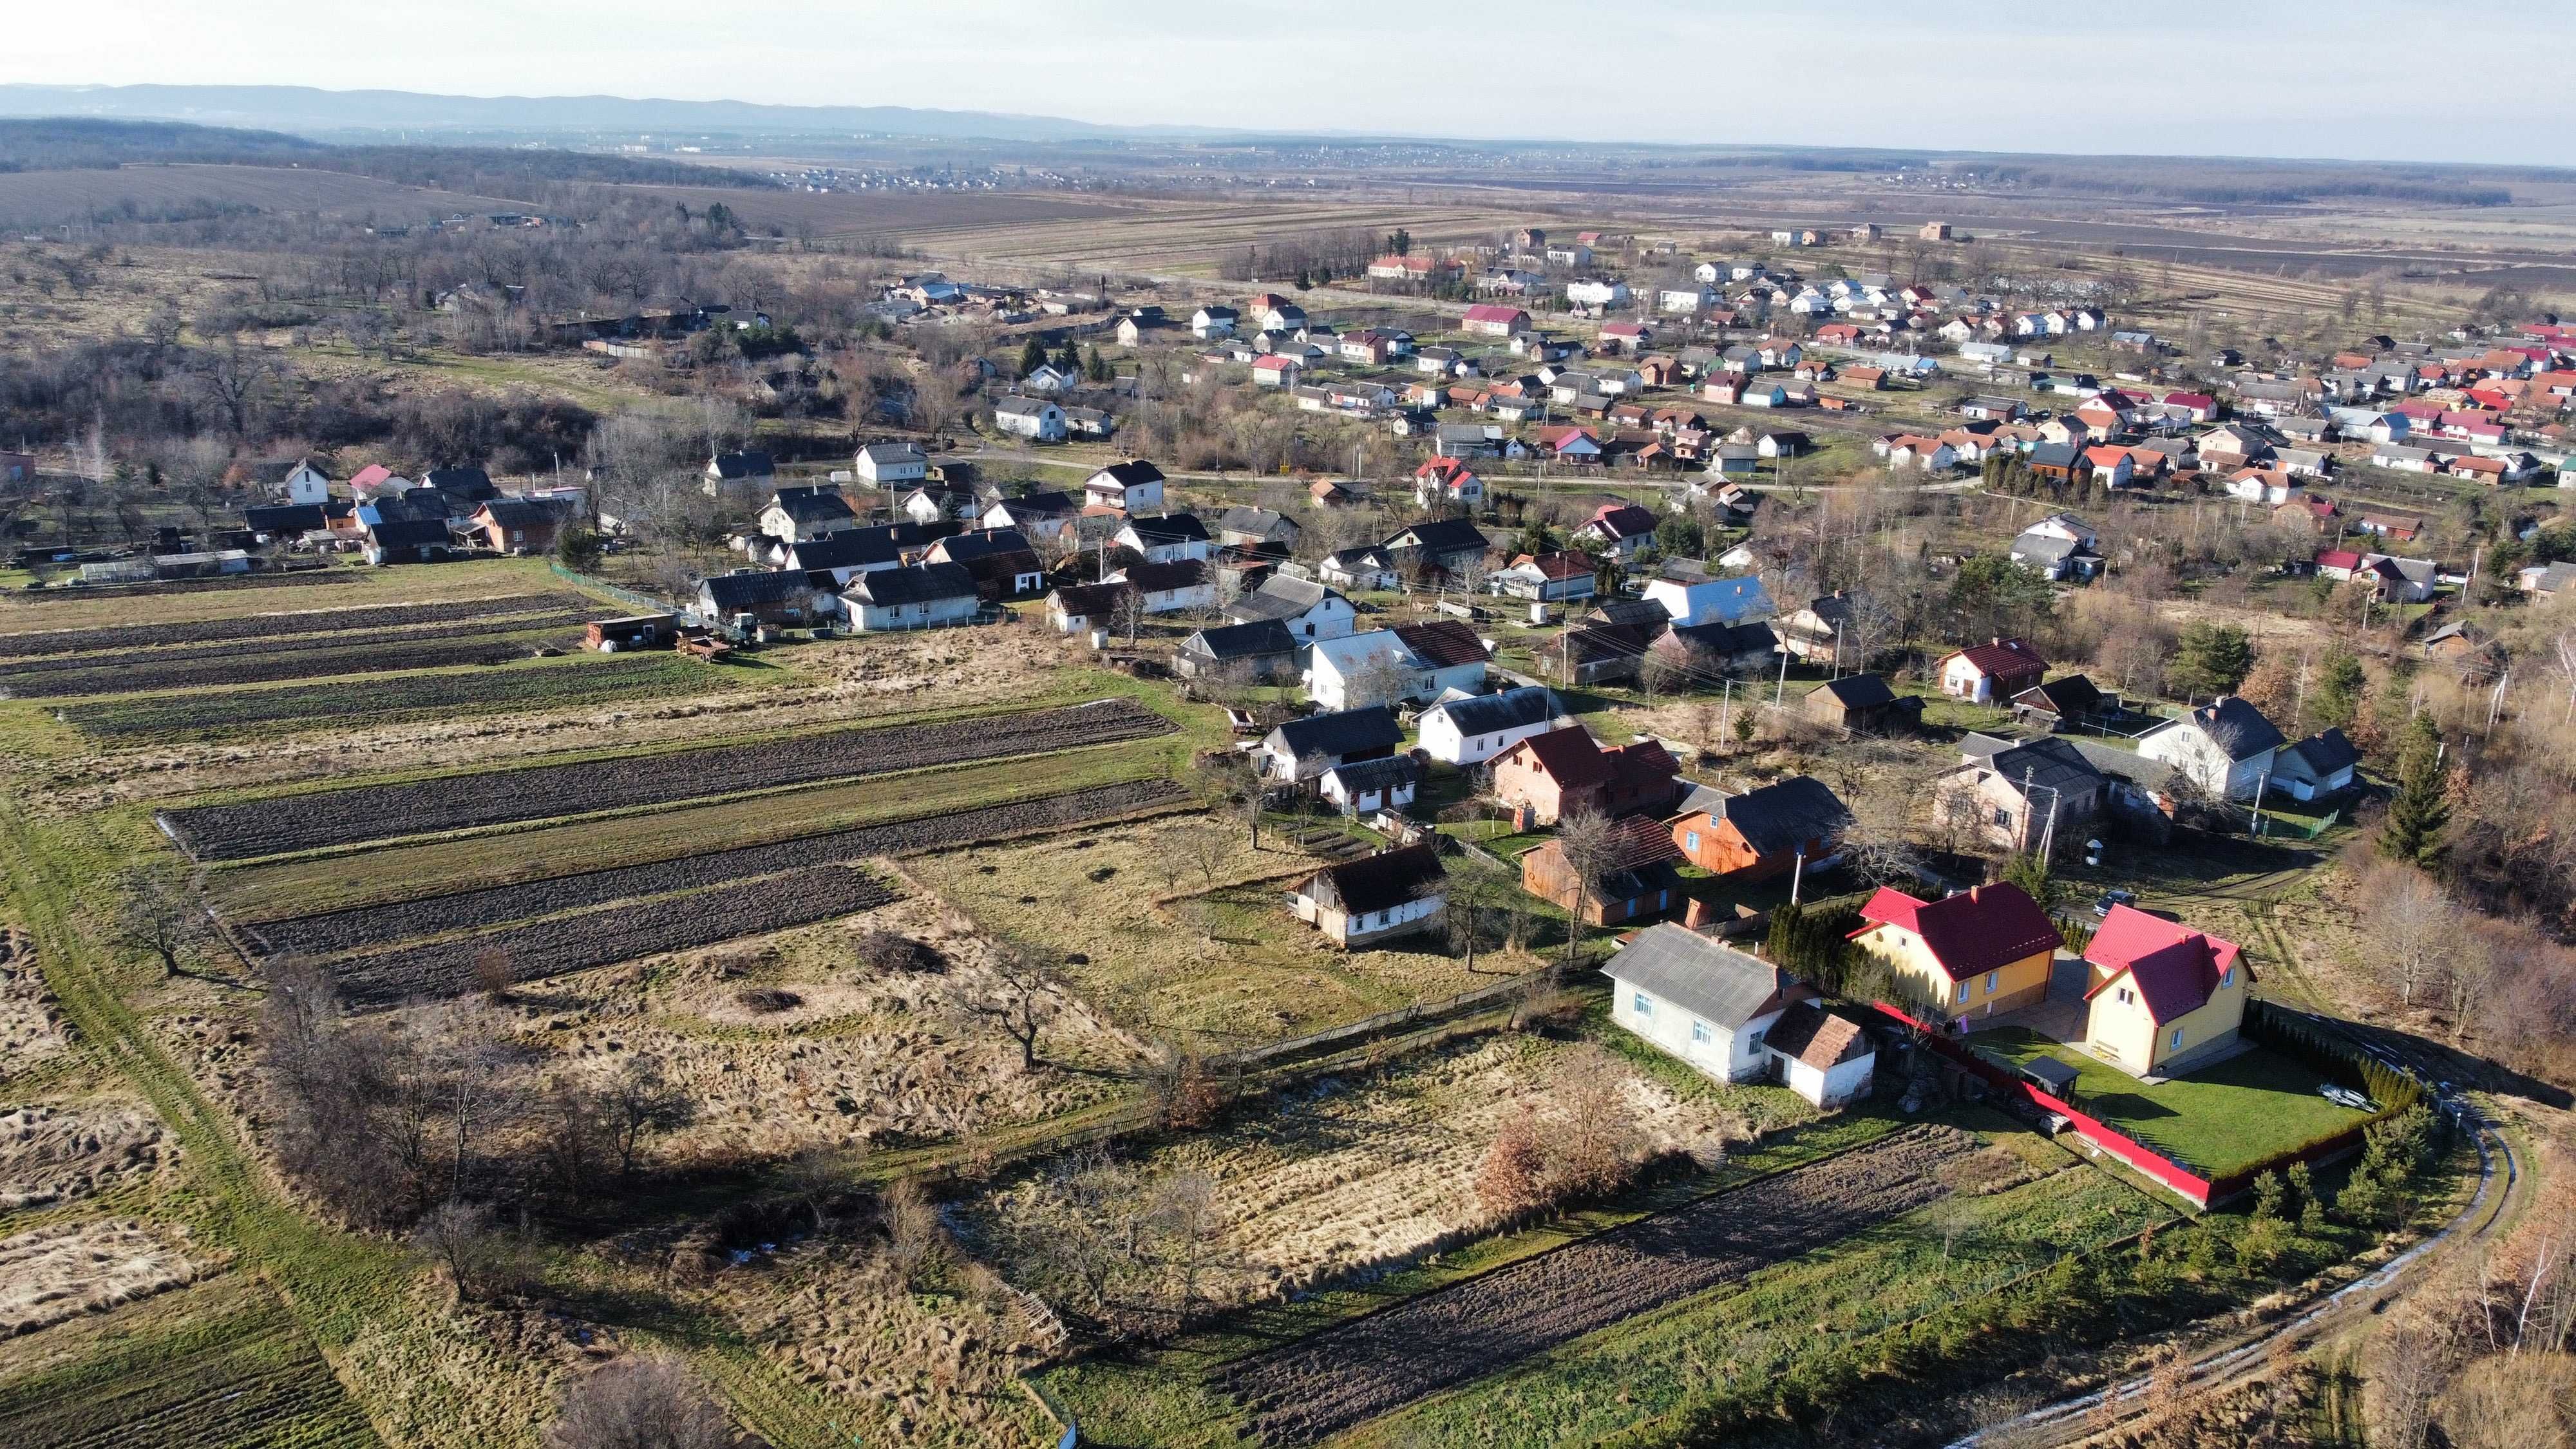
x,y
1781,694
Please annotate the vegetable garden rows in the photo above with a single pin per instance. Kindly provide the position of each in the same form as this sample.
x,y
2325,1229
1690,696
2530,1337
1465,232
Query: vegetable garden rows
x,y
367,927
373,657
255,626
588,680
455,802
560,944
1320,1385
17,669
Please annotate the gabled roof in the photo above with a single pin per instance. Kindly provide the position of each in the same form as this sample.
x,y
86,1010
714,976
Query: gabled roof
x,y
2002,656
1340,734
1129,473
1975,931
2073,695
408,532
1169,529
749,463
1569,756
1040,506
803,505
726,592
978,543
892,453
1379,774
1280,597
2174,967
1255,521
1443,643
1616,521
1376,882
920,584
2048,763
1440,535
1859,691
1819,1038
1492,713
2234,725
2325,753
1155,578
1259,639
1780,818
1718,984
1024,407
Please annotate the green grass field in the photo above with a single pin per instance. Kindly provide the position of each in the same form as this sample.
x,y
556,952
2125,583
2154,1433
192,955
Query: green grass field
x,y
2218,1120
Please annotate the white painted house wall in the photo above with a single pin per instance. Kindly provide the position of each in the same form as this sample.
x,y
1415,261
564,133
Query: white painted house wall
x,y
1729,1056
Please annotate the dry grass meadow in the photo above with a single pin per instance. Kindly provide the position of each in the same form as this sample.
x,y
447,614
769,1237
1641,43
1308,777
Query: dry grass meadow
x,y
54,1273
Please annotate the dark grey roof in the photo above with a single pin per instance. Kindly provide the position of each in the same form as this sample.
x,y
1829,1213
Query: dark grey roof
x,y
728,592
2053,455
1339,735
1042,505
1132,472
1259,522
1715,983
1169,529
2044,547
470,483
1511,709
409,532
2073,695
1781,818
1279,597
1859,691
2122,764
1378,774
283,517
1262,638
2237,727
920,584
893,453
1377,882
849,548
2325,753
749,463
1441,536
2047,764
963,547
1728,640
806,506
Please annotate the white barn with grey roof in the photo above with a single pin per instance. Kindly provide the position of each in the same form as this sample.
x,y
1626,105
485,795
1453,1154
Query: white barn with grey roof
x,y
1735,1018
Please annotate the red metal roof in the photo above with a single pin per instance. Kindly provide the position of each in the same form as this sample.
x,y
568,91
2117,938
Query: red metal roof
x,y
1567,756
2175,967
2003,656
1973,932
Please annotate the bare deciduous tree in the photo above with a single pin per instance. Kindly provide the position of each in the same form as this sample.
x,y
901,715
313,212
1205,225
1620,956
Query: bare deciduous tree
x,y
1027,993
641,1403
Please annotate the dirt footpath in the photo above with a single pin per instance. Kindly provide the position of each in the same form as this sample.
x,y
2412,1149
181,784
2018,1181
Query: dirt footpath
x,y
1319,1386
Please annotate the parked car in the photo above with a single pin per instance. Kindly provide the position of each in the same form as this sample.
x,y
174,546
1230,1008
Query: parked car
x,y
2108,899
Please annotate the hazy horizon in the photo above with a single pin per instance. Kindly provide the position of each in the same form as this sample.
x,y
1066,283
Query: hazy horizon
x,y
2197,79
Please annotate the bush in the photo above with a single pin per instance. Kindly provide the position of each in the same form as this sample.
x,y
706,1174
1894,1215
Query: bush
x,y
766,999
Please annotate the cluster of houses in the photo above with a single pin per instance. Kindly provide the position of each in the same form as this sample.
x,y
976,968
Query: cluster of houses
x,y
389,519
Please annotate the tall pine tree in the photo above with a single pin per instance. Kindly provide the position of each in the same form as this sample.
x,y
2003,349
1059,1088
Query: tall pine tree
x,y
2419,813
1032,357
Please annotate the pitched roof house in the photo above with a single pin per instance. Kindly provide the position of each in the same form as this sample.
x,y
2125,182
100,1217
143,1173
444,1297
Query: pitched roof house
x,y
1993,671
1304,748
2162,996
1735,1018
1359,902
1985,950
2224,746
1558,773
1636,881
1762,833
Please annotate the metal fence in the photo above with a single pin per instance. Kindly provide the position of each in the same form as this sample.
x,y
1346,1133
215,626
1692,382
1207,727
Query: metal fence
x,y
631,599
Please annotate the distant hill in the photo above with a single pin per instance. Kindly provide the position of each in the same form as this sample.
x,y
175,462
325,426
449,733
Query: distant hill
x,y
82,143
307,111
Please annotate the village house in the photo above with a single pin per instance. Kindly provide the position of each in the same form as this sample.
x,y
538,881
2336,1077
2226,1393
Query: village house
x,y
1984,950
1301,750
2225,747
729,475
923,596
1365,569
1214,321
1356,670
799,514
1564,771
1860,704
1307,610
1620,529
1735,1018
2162,998
1546,578
1132,485
1366,787
891,465
939,501
1374,898
1467,732
1449,655
1636,879
1033,418
1257,528
2319,767
1077,608
1259,652
2027,798
2071,703
1991,672
1169,588
762,597
848,552
1711,601
1438,548
1494,319
1277,370
1762,833
1169,538
1039,517
1704,652
516,525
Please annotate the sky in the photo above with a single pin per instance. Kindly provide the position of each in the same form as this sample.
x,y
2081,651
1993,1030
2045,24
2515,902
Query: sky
x,y
2355,78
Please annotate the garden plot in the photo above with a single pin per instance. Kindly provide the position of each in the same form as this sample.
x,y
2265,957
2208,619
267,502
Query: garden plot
x,y
585,680
841,1055
379,812
139,673
1346,1175
263,626
60,1272
1347,1375
24,676
559,944
54,1154
365,927
1185,931
32,1029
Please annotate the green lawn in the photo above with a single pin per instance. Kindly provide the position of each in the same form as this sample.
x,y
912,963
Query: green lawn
x,y
2217,1120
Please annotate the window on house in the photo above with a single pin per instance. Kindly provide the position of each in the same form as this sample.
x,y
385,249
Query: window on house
x,y
2127,997
1640,1003
1963,991
1700,1035
2176,1043
1991,978
2226,978
1690,840
1753,1041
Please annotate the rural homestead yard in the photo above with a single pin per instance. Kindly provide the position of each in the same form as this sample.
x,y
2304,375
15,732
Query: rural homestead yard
x,y
1184,931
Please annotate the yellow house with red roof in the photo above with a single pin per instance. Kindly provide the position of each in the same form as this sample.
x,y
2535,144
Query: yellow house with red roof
x,y
2163,996
1980,952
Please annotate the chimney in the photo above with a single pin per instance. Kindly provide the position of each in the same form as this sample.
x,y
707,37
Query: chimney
x,y
1973,892
1996,639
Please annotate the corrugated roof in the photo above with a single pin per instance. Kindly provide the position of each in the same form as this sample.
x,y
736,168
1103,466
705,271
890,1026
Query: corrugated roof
x,y
1970,933
1715,983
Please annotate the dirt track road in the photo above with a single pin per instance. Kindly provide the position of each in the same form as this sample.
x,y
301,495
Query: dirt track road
x,y
1320,1385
